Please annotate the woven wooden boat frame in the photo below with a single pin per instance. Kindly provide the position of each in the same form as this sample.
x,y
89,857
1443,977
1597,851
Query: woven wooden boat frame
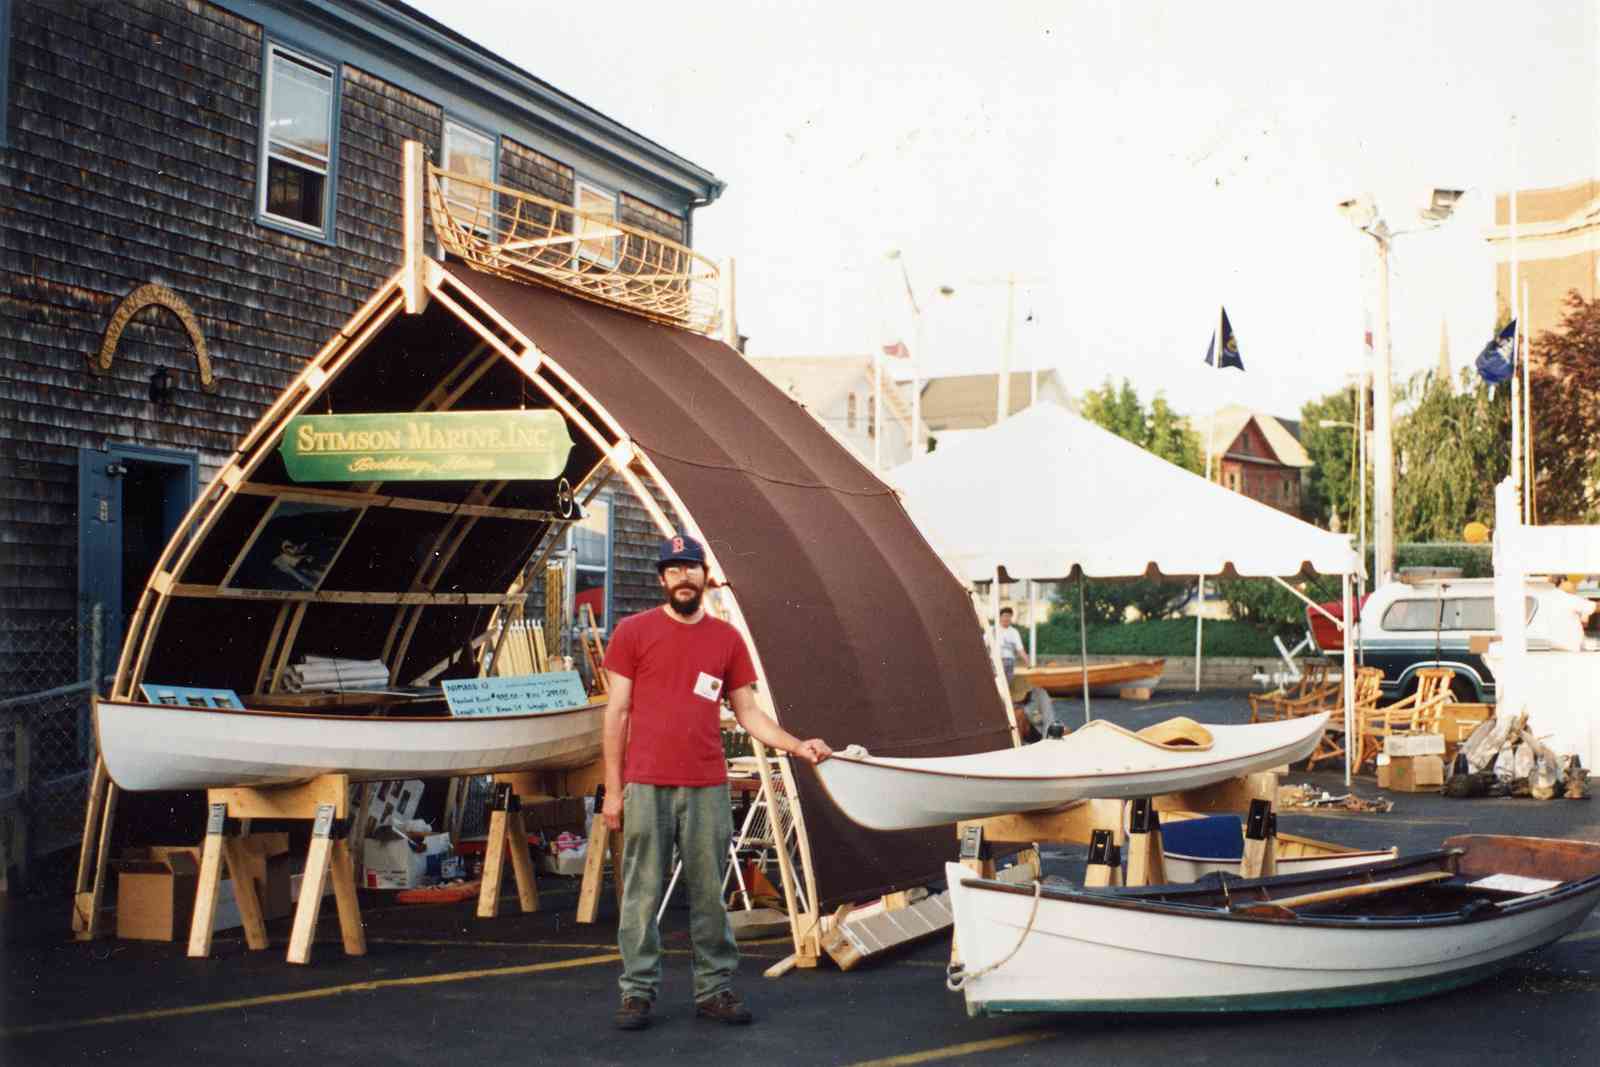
x,y
529,238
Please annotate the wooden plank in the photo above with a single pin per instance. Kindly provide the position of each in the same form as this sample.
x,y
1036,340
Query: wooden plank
x,y
494,857
342,596
594,864
286,802
205,892
244,895
319,861
850,943
521,862
1260,850
1364,889
344,897
93,812
1135,692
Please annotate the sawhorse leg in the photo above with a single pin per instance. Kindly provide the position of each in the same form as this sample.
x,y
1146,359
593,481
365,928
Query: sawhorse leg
x,y
1260,858
222,844
328,856
601,841
506,833
1146,865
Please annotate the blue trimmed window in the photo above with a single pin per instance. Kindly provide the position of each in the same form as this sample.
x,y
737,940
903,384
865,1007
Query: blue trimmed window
x,y
299,110
5,73
471,153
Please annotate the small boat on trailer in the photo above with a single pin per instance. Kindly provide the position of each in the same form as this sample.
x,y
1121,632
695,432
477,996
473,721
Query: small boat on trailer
x,y
1068,679
161,746
1100,759
1370,934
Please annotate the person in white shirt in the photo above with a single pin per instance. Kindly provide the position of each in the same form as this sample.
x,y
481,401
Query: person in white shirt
x,y
1011,648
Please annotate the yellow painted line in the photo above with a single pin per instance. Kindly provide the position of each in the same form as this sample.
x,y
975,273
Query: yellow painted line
x,y
311,994
1592,935
950,1052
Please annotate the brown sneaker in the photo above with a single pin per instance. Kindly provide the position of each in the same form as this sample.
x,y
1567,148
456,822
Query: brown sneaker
x,y
634,1014
724,1007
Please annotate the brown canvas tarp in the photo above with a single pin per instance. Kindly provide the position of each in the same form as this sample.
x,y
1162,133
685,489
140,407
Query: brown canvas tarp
x,y
865,636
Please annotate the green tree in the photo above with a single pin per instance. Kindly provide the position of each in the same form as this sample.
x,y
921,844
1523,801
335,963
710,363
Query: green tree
x,y
1331,484
1565,407
1450,450
1160,430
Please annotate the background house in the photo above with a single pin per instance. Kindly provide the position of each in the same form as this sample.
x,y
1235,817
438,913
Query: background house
x,y
970,401
197,195
1256,454
839,391
1558,250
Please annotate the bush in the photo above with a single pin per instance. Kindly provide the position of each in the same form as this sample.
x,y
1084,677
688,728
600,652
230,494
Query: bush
x,y
1161,637
1273,608
1475,561
1108,601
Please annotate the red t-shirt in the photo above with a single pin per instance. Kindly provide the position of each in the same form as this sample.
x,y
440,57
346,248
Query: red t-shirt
x,y
680,673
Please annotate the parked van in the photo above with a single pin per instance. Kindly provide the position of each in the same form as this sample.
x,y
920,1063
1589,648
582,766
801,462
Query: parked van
x,y
1430,622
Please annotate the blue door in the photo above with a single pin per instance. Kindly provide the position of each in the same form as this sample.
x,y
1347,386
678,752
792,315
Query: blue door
x,y
130,501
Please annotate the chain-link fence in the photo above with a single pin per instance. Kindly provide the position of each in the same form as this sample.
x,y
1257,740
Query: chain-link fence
x,y
46,742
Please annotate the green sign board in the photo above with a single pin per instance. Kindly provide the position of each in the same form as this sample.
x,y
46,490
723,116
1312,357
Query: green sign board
x,y
521,694
427,446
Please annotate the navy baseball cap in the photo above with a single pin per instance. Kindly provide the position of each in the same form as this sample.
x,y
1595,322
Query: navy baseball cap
x,y
681,548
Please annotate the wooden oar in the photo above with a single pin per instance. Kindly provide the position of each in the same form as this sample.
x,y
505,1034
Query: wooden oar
x,y
1365,889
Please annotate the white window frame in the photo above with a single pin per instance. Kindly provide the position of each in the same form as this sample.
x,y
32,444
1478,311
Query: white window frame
x,y
263,178
459,128
579,187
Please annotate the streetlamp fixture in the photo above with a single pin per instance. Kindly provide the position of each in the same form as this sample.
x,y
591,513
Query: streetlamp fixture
x,y
1364,216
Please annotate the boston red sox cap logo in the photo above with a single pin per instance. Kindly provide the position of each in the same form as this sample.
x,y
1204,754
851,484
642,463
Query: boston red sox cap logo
x,y
681,548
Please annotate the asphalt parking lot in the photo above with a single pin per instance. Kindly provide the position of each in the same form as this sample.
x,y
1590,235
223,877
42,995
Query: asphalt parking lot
x,y
440,986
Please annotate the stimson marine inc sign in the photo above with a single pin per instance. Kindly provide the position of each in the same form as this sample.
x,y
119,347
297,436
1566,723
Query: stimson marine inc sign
x,y
427,446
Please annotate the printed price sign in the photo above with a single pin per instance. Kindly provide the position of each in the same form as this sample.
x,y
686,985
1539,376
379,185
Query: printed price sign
x,y
521,694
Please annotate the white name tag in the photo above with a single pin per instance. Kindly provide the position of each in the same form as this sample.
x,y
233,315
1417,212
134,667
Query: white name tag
x,y
707,687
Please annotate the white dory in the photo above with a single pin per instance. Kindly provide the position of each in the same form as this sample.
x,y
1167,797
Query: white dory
x,y
1100,760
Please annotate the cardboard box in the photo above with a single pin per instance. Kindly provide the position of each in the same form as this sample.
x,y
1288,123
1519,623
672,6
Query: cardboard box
x,y
1413,745
395,860
1414,774
155,895
569,863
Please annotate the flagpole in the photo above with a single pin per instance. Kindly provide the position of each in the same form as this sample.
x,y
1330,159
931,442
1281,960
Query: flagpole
x,y
1211,440
1527,412
877,409
1511,302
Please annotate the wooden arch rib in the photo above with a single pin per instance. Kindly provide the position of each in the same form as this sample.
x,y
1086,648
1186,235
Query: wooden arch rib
x,y
641,474
154,295
209,506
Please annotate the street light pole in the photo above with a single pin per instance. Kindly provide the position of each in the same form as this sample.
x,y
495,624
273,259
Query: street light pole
x,y
1363,213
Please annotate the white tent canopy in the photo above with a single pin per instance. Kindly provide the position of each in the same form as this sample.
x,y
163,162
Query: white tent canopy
x,y
1045,491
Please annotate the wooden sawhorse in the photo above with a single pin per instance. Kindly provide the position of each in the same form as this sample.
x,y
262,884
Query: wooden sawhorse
x,y
324,801
507,833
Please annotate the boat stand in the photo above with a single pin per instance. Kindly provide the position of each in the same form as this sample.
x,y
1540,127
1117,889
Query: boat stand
x,y
507,833
601,841
323,801
1100,824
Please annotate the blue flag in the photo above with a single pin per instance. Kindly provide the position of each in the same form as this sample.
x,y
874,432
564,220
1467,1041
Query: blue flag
x,y
1498,360
1230,347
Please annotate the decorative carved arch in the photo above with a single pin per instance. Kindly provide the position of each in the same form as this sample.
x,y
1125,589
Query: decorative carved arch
x,y
158,296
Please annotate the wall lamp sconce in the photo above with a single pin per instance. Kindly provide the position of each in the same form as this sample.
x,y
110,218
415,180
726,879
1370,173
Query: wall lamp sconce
x,y
162,386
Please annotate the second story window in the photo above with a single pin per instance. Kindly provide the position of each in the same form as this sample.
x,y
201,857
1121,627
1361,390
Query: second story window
x,y
471,154
297,152
597,237
850,412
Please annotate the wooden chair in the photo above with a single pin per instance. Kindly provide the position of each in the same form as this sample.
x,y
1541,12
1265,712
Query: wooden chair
x,y
1369,686
1326,695
1266,706
1416,713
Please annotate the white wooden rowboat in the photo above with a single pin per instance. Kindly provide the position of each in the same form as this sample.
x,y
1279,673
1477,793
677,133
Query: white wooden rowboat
x,y
160,746
1100,759
1371,934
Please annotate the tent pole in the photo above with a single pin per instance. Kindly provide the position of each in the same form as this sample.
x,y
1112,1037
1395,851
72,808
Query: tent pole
x,y
1033,624
1352,743
1083,649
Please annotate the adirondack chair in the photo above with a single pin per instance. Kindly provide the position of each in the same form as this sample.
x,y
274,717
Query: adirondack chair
x,y
1369,681
1417,713
1269,706
1325,695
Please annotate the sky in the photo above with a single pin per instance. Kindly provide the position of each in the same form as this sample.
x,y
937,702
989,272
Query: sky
x,y
1132,165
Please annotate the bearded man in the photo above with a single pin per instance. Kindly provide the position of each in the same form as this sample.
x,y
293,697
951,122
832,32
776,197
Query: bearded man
x,y
669,670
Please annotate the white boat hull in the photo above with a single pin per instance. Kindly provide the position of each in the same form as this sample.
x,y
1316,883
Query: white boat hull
x,y
1181,868
1096,761
160,747
1085,957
